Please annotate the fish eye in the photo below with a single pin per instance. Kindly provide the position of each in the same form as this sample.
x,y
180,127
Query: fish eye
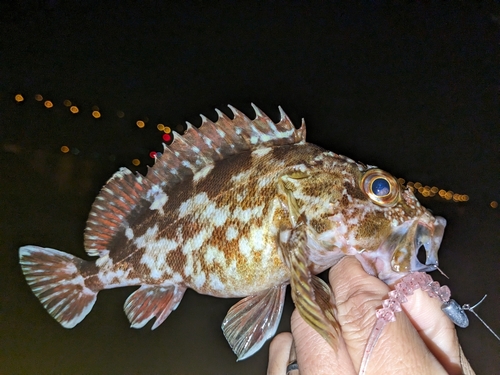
x,y
382,188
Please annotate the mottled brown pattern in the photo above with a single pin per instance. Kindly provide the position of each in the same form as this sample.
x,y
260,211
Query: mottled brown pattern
x,y
344,201
320,225
328,184
374,224
355,191
121,247
176,259
219,179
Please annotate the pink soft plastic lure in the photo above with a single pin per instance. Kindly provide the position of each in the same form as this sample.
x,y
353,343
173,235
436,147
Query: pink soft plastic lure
x,y
405,288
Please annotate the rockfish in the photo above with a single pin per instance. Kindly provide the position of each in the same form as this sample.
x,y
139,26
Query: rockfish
x,y
237,208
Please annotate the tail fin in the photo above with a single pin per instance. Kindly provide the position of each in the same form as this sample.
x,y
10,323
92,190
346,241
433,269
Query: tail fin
x,y
56,280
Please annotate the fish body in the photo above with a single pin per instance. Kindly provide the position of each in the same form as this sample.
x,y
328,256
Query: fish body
x,y
237,208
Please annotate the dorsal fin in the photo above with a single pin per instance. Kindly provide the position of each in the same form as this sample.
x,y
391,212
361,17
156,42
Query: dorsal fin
x,y
199,147
116,200
187,154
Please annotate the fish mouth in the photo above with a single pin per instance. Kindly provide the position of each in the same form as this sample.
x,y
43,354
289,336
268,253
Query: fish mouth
x,y
408,240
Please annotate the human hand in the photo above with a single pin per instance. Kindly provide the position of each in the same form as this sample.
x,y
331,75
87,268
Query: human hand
x,y
421,341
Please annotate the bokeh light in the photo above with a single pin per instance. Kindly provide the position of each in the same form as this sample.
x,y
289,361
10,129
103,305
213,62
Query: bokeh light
x,y
429,192
424,190
494,204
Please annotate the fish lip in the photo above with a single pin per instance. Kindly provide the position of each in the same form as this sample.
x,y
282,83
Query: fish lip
x,y
429,236
406,241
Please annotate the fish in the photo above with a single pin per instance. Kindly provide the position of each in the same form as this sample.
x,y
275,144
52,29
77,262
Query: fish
x,y
238,208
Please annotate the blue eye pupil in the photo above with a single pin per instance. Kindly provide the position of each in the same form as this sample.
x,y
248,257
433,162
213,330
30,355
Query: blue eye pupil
x,y
381,187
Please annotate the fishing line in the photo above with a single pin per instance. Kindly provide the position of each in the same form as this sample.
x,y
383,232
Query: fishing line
x,y
471,309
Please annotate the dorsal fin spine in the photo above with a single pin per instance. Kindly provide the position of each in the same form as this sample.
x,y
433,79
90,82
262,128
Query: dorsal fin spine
x,y
186,155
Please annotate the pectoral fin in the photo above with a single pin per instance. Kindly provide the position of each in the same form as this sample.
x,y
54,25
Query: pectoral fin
x,y
253,320
312,297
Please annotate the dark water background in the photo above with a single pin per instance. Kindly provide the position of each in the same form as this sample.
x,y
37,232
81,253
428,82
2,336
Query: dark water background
x,y
413,89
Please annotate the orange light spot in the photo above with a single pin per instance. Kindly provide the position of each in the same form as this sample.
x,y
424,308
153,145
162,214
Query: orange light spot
x,y
160,127
494,204
417,185
48,104
167,130
74,109
65,149
140,124
19,98
136,162
96,114
38,97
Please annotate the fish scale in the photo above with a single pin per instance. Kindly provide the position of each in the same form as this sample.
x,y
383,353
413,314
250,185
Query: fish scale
x,y
237,208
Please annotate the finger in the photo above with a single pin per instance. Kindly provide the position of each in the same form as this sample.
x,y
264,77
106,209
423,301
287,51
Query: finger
x,y
435,328
399,349
279,353
314,355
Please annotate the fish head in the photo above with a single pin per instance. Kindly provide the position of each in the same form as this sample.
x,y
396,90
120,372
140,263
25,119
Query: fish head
x,y
383,224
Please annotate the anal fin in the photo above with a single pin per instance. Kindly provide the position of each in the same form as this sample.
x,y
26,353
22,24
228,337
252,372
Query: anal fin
x,y
253,320
150,302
